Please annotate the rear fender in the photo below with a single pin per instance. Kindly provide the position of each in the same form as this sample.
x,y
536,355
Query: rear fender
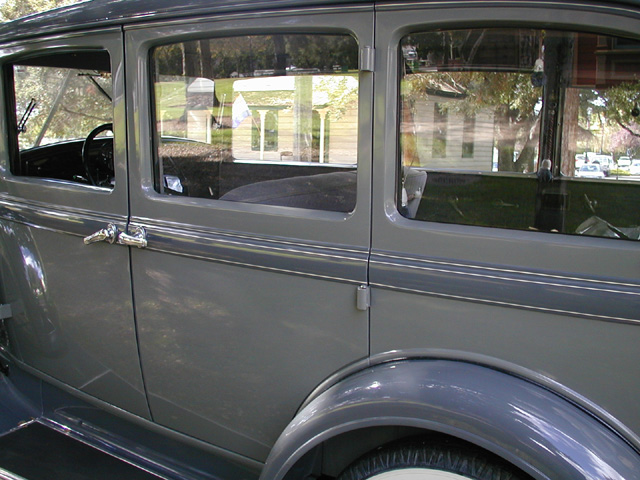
x,y
531,427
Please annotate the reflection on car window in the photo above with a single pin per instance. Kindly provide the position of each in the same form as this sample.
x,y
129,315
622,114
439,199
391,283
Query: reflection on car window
x,y
60,100
521,128
269,119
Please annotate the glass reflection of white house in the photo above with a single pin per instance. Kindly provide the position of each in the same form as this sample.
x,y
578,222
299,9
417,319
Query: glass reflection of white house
x,y
300,118
446,138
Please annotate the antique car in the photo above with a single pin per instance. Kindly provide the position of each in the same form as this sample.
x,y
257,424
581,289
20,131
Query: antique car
x,y
322,239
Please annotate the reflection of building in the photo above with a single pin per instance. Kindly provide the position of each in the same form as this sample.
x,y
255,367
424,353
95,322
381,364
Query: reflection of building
x,y
289,124
288,118
200,101
447,139
605,61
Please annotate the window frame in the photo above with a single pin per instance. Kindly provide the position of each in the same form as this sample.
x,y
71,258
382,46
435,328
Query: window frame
x,y
67,194
275,220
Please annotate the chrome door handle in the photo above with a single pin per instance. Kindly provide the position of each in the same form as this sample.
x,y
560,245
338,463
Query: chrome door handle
x,y
108,234
137,238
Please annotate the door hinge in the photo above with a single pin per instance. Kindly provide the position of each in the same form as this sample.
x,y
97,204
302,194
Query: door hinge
x,y
5,311
367,59
363,298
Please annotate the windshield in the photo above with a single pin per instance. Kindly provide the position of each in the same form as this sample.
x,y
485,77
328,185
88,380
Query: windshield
x,y
56,103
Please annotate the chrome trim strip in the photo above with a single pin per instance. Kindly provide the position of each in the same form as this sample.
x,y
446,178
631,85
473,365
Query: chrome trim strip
x,y
70,424
7,475
334,263
348,265
546,292
128,456
72,221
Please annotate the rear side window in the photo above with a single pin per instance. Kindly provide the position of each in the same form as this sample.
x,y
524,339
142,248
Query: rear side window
x,y
521,128
62,103
267,119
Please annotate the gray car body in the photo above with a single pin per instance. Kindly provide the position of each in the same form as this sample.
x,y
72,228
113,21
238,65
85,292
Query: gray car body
x,y
523,343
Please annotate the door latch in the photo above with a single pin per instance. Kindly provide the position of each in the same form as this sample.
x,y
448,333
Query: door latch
x,y
110,234
137,237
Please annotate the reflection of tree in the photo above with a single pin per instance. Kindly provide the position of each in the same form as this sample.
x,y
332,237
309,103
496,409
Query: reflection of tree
x,y
68,103
612,112
340,92
12,9
245,55
624,142
510,96
621,104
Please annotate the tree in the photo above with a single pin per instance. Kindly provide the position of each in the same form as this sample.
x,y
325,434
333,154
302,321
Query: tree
x,y
509,96
624,142
12,9
459,70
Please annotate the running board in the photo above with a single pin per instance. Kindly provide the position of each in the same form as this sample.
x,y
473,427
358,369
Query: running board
x,y
37,452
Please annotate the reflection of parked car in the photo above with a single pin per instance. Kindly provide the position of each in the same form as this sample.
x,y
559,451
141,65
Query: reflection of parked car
x,y
634,168
606,163
590,170
624,163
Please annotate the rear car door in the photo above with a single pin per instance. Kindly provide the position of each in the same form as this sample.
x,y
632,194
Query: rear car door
x,y
251,138
491,243
64,178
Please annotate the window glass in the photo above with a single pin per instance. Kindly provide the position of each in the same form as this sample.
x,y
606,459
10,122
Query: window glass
x,y
269,119
521,128
64,114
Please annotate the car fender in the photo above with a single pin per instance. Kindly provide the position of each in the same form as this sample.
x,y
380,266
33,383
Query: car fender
x,y
528,425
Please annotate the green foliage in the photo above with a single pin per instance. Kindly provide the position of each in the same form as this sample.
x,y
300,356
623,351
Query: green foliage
x,y
475,91
244,56
13,9
619,173
619,102
66,102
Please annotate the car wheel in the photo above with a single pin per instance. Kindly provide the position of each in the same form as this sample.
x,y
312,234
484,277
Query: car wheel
x,y
431,461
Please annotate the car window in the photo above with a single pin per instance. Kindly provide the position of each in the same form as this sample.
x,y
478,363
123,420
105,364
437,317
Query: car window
x,y
268,119
61,100
497,126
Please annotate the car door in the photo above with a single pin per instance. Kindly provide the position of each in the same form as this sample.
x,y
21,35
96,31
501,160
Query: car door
x,y
487,246
71,300
255,209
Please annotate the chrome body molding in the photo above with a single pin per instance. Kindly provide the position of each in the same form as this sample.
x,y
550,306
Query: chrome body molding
x,y
593,298
6,475
322,261
327,262
72,221
98,424
540,432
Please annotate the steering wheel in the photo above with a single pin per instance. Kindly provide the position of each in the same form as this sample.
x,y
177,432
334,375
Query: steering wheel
x,y
95,164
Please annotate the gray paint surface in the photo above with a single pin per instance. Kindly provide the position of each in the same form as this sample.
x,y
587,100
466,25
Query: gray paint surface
x,y
504,414
243,310
234,301
76,323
